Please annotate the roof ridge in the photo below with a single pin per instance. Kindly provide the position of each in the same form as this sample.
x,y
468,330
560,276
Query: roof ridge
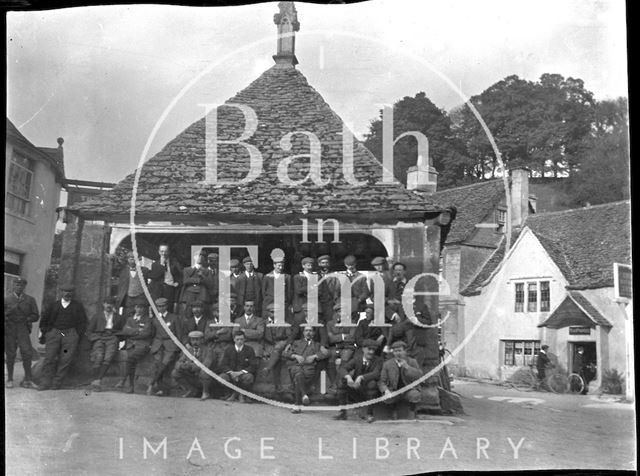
x,y
482,182
574,210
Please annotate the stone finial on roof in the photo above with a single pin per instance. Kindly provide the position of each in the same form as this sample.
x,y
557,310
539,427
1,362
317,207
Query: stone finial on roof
x,y
287,21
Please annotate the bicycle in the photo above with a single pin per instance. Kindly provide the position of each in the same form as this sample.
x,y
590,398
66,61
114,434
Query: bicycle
x,y
556,382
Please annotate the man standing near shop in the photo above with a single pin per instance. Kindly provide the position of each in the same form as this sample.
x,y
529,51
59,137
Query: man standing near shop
x,y
166,277
542,363
62,325
276,278
20,311
249,286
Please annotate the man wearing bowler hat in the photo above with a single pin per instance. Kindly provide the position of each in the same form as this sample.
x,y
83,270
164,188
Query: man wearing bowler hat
x,y
62,325
20,312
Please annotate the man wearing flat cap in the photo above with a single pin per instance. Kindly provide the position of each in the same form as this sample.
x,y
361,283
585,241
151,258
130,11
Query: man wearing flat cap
x,y
396,373
359,286
279,278
138,334
300,281
359,379
187,374
341,342
164,350
328,289
249,286
379,265
62,325
103,335
130,291
20,312
253,327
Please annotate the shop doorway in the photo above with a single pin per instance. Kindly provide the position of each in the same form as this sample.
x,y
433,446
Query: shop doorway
x,y
589,358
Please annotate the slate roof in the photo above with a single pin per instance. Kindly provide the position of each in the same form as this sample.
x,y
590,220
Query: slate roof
x,y
171,185
473,203
575,310
51,155
584,243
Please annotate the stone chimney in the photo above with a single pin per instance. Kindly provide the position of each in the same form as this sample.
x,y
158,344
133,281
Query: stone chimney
x,y
422,177
519,195
287,21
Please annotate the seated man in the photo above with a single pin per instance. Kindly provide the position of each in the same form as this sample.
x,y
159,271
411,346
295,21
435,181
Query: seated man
x,y
253,328
187,373
217,338
341,342
239,366
366,331
397,372
360,382
102,334
194,321
138,332
276,340
304,355
164,350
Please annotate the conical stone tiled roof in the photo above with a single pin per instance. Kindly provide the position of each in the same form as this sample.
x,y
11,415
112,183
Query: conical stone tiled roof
x,y
171,184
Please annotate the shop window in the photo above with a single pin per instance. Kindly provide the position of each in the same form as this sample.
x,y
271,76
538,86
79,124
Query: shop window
x,y
519,353
19,185
12,270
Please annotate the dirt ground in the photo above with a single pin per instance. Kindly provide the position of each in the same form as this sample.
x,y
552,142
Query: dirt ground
x,y
81,432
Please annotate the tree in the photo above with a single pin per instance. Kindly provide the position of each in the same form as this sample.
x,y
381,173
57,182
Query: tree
x,y
602,173
420,114
541,125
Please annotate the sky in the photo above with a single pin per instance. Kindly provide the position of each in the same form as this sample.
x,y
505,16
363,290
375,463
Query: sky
x,y
102,77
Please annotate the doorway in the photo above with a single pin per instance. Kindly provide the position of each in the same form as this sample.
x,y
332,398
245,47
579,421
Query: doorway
x,y
590,359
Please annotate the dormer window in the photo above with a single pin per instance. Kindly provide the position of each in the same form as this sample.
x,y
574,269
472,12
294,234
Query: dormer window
x,y
501,219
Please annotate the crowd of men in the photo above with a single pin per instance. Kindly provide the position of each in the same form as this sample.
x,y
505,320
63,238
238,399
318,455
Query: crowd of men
x,y
362,361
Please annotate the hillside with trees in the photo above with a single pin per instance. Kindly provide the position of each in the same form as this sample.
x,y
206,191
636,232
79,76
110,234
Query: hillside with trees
x,y
553,126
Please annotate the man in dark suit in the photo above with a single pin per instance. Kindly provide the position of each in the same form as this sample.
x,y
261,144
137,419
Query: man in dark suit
x,y
279,278
328,289
249,285
165,351
62,325
398,372
399,281
341,342
303,357
102,333
253,327
194,321
276,339
196,285
165,277
366,331
239,366
20,312
360,380
300,281
138,332
359,288
379,265
542,364
130,291
234,268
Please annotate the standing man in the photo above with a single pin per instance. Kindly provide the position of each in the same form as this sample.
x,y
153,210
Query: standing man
x,y
328,290
62,325
234,267
274,277
164,350
399,281
214,278
303,356
249,286
20,312
359,287
166,277
138,332
253,328
379,264
579,367
239,366
360,382
398,372
542,363
196,285
102,332
130,291
300,281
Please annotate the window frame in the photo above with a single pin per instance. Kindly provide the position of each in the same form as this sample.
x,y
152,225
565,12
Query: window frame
x,y
510,356
522,288
16,202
